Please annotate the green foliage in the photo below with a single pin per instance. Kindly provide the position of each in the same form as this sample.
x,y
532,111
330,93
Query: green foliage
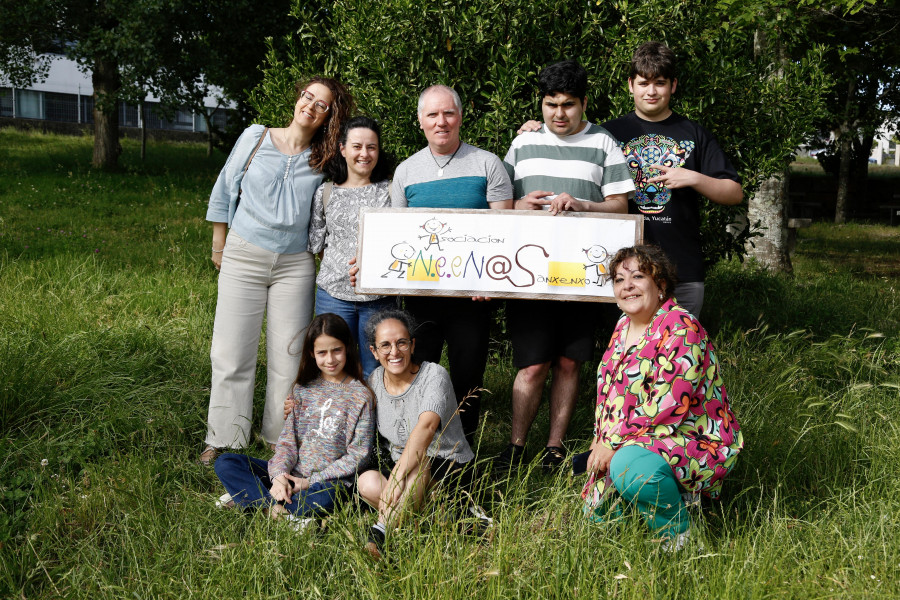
x,y
863,57
104,368
491,53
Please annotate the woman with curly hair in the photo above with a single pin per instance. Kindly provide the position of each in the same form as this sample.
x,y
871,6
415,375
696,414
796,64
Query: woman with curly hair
x,y
664,430
260,209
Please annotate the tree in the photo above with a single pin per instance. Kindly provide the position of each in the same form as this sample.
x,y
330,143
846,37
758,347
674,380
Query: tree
x,y
115,39
491,53
214,58
864,57
176,48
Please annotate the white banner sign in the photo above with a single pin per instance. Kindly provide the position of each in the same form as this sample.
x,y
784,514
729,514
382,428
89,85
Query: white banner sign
x,y
497,253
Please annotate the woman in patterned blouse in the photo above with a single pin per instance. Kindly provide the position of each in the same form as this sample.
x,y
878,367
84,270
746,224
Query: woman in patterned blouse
x,y
664,429
359,176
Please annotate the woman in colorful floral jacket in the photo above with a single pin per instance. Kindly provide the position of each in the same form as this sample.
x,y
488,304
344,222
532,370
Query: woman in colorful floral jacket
x,y
664,427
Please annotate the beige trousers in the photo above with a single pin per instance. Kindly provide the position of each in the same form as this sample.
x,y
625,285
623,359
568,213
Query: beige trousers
x,y
254,282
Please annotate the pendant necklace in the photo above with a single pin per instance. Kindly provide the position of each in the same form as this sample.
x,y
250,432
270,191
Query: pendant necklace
x,y
441,168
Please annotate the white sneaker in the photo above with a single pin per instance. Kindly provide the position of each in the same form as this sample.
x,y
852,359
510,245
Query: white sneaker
x,y
674,544
225,501
297,523
691,500
478,512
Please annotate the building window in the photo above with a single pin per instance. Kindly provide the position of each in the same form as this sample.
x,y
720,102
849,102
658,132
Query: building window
x,y
87,109
29,104
128,115
6,102
61,107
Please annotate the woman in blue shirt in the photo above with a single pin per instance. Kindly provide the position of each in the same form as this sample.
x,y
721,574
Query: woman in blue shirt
x,y
260,215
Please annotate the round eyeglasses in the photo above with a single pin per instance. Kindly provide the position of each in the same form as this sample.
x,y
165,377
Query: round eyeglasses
x,y
385,347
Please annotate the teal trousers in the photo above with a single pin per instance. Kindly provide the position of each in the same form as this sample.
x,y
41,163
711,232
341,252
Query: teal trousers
x,y
645,481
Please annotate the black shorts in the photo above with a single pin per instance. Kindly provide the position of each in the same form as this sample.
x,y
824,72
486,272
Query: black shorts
x,y
442,470
542,330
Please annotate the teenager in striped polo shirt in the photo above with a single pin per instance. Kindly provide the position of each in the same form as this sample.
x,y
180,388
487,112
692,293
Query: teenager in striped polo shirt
x,y
570,164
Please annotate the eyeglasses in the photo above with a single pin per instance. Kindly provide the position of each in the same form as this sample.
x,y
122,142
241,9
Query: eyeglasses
x,y
385,347
319,106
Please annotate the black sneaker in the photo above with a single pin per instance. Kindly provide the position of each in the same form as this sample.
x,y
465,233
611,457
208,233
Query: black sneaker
x,y
511,458
375,542
554,457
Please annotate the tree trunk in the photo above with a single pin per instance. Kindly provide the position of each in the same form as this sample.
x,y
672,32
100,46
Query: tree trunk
x,y
840,208
768,207
845,144
106,114
858,194
143,130
209,134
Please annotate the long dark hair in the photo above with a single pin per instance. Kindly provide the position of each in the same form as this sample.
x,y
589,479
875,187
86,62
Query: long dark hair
x,y
332,325
336,168
324,144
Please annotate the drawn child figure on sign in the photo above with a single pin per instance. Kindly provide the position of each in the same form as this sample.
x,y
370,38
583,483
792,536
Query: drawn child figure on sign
x,y
433,229
597,257
402,254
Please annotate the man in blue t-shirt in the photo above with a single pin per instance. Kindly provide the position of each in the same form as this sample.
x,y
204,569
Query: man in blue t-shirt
x,y
448,173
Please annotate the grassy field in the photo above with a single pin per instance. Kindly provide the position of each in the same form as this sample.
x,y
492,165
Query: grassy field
x,y
106,304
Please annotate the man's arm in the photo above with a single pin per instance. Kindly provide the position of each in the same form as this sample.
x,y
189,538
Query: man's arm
x,y
612,204
720,191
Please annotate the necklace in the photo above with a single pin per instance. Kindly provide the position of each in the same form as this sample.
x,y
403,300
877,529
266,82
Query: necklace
x,y
441,168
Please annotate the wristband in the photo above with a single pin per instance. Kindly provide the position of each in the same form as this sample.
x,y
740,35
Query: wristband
x,y
218,251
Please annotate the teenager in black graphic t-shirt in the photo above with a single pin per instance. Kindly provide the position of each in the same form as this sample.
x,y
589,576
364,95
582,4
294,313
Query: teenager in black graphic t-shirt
x,y
673,161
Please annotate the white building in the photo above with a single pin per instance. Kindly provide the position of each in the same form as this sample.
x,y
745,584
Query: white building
x,y
882,152
67,96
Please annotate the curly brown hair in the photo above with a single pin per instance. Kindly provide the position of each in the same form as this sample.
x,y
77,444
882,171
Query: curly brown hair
x,y
651,261
324,145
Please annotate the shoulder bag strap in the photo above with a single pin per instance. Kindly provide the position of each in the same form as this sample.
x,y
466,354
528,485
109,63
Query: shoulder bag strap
x,y
258,144
247,166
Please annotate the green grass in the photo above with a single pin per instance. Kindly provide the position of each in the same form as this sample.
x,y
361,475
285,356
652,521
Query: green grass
x,y
805,165
106,305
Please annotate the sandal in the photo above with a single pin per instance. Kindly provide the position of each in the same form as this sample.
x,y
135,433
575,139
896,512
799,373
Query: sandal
x,y
209,455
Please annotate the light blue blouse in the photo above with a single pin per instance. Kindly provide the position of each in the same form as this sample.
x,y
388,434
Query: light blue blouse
x,y
276,200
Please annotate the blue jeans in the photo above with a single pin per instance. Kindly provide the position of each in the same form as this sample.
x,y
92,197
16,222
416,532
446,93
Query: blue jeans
x,y
357,314
247,480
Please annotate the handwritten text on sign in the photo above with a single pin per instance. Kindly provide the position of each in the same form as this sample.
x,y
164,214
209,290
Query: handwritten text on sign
x,y
500,253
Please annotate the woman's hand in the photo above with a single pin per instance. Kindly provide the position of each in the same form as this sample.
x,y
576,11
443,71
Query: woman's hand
x,y
354,270
220,232
282,488
217,258
390,495
286,485
530,125
288,406
598,461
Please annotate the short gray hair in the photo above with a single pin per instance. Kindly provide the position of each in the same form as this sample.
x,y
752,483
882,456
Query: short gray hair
x,y
439,88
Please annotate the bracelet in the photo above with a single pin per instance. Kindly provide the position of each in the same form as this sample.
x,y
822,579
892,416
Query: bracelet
x,y
218,251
